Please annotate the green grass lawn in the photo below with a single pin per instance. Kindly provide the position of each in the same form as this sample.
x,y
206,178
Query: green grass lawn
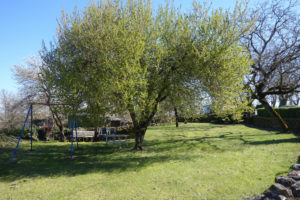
x,y
194,161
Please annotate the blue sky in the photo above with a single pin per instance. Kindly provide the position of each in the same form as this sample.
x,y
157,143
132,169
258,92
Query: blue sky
x,y
25,24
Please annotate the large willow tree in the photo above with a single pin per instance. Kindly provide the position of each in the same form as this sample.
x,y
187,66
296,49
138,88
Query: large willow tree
x,y
116,56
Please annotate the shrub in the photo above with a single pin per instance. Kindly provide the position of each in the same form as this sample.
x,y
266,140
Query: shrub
x,y
68,133
7,140
55,133
42,134
126,131
15,132
212,118
268,122
285,112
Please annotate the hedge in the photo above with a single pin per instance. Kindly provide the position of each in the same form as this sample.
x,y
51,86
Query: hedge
x,y
267,122
15,132
284,112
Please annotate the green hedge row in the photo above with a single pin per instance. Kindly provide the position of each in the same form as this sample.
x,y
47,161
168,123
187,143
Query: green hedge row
x,y
268,122
15,132
285,112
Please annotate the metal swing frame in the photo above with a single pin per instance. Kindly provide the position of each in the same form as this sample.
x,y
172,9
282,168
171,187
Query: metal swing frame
x,y
74,125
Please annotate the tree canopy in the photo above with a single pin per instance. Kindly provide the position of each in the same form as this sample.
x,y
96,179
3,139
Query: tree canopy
x,y
119,56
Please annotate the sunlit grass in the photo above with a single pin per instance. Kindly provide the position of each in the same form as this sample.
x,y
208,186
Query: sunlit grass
x,y
194,161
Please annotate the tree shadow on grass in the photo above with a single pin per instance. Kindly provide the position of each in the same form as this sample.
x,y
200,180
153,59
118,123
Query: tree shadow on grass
x,y
229,138
276,130
52,160
48,160
185,128
263,129
226,135
279,141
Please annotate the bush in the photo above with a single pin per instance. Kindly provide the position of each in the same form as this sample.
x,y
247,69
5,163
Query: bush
x,y
55,133
285,112
15,132
68,133
7,140
126,131
42,134
268,122
212,118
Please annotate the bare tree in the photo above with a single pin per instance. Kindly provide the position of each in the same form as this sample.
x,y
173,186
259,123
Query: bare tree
x,y
295,99
35,88
274,46
290,99
11,109
28,79
283,99
273,99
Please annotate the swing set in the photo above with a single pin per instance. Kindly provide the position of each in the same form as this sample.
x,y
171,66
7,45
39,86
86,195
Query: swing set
x,y
74,126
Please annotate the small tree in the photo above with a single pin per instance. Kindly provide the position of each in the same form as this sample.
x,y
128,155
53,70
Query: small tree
x,y
36,86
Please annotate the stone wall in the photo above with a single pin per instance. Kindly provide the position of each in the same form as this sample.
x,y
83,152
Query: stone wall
x,y
285,187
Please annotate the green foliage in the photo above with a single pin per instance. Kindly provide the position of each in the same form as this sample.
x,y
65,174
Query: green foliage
x,y
43,134
120,56
271,123
68,133
15,132
55,133
212,118
88,121
285,112
6,140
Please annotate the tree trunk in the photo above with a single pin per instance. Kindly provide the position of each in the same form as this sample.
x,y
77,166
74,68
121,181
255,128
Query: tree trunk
x,y
283,126
139,137
95,138
273,100
176,116
140,126
140,129
59,124
283,100
62,134
296,101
